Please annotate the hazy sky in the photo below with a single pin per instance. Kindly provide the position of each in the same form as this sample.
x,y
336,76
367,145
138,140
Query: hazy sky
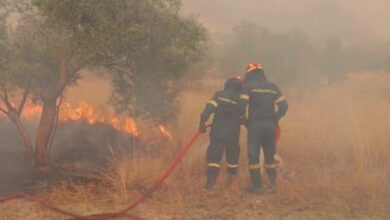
x,y
353,20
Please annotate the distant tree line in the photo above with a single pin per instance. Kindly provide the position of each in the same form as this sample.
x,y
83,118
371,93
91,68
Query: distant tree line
x,y
292,58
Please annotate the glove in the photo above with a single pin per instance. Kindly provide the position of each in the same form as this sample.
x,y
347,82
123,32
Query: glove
x,y
202,129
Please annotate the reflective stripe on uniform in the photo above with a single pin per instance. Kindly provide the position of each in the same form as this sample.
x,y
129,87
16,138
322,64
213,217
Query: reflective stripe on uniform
x,y
232,165
280,99
213,103
253,66
214,165
264,91
254,166
271,166
244,97
227,100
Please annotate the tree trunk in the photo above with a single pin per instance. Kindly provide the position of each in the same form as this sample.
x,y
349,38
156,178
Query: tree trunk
x,y
45,131
49,114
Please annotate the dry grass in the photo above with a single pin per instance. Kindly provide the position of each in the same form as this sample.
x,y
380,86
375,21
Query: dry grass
x,y
336,142
335,146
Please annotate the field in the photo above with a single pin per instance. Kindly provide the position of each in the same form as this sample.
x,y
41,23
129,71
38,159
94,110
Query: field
x,y
335,147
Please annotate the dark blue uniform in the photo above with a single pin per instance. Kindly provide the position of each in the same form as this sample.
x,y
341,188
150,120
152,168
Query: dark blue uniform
x,y
266,106
225,130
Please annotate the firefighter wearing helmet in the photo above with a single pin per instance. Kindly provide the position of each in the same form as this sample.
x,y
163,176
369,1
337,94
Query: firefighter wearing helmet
x,y
229,114
266,106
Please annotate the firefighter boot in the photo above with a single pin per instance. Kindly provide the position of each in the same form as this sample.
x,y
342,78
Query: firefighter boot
x,y
272,178
211,180
212,174
257,184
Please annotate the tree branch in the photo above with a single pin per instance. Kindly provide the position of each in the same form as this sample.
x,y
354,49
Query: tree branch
x,y
5,95
24,99
4,111
5,99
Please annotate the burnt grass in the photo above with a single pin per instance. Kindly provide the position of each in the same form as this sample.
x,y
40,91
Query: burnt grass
x,y
78,151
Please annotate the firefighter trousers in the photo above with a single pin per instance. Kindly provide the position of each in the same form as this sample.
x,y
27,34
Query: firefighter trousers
x,y
217,148
261,134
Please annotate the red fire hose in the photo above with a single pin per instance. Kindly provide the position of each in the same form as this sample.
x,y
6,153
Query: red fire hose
x,y
277,134
120,213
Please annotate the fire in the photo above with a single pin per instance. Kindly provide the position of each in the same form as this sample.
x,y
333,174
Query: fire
x,y
130,127
167,133
83,112
31,110
87,113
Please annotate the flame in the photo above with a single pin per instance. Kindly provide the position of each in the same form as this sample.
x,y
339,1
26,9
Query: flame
x,y
31,110
85,112
131,127
167,133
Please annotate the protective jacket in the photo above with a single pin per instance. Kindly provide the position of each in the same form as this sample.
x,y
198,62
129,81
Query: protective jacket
x,y
228,114
265,100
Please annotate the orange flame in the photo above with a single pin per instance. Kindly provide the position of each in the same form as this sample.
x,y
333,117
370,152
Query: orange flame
x,y
31,110
131,127
85,112
167,133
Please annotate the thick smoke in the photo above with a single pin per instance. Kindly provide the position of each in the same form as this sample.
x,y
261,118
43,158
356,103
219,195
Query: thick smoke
x,y
304,44
355,21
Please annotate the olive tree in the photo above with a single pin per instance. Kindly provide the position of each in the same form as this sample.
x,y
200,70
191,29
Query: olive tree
x,y
51,41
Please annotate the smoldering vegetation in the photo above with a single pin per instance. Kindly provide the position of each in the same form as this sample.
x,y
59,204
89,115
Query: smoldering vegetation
x,y
79,150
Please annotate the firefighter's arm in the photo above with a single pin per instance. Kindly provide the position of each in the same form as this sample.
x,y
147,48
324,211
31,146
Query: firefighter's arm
x,y
282,104
209,109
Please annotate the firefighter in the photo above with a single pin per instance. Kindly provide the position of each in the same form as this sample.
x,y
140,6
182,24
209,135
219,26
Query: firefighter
x,y
225,130
266,107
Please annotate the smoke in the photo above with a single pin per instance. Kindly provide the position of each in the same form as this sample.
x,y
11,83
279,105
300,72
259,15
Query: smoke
x,y
354,21
304,44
